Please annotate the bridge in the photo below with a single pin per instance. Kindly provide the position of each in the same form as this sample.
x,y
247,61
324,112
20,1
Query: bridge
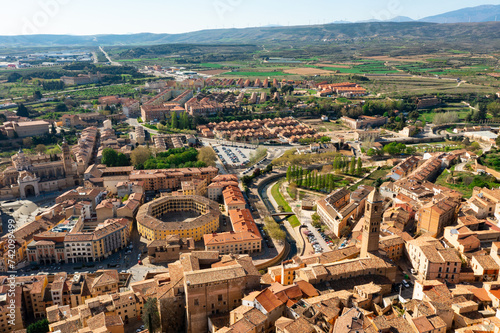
x,y
283,214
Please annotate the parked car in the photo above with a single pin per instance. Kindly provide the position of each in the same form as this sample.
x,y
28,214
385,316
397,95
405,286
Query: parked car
x,y
406,284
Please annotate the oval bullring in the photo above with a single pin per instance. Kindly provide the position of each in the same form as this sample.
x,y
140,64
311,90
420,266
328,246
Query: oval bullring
x,y
188,216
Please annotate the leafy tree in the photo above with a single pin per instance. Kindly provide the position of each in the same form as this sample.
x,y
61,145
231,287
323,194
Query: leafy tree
x,y
41,148
414,115
352,166
410,150
14,77
207,156
474,146
122,160
61,107
28,142
22,111
185,121
494,108
287,89
41,326
174,158
468,117
273,229
259,153
359,166
151,316
37,95
109,157
173,118
113,159
53,85
53,130
139,155
394,148
445,118
497,141
479,114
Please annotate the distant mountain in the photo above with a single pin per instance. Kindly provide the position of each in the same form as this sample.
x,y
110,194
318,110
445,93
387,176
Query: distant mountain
x,y
401,19
271,26
289,35
394,19
341,22
484,13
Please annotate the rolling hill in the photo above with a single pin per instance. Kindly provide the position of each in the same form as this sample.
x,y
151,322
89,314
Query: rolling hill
x,y
485,13
467,33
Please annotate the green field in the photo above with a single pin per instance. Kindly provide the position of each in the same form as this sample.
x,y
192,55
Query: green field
x,y
137,60
275,191
428,115
210,65
419,86
464,178
370,180
256,74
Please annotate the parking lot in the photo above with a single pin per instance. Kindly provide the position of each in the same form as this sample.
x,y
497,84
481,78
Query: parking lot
x,y
318,240
233,156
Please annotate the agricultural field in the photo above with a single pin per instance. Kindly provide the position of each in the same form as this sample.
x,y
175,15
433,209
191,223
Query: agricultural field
x,y
308,71
123,89
16,89
326,126
359,67
420,86
428,115
256,74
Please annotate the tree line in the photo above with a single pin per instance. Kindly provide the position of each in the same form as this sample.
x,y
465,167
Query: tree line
x,y
308,179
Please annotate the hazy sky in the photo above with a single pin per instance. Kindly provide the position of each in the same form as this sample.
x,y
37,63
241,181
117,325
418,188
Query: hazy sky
x,y
88,17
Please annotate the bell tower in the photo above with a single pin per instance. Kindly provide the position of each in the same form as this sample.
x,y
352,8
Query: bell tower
x,y
67,161
371,228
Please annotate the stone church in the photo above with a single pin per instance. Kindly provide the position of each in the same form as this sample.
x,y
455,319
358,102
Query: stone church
x,y
31,175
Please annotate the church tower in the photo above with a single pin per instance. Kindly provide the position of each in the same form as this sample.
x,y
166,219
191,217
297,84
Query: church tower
x,y
373,218
67,161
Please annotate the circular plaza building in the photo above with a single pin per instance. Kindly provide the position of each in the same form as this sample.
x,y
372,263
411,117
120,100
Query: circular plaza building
x,y
187,216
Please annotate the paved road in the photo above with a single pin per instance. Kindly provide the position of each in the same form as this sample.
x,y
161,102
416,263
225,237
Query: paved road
x,y
460,167
134,122
113,63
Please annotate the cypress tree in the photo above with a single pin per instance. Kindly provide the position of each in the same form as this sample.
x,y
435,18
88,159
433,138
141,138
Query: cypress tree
x,y
360,166
353,166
